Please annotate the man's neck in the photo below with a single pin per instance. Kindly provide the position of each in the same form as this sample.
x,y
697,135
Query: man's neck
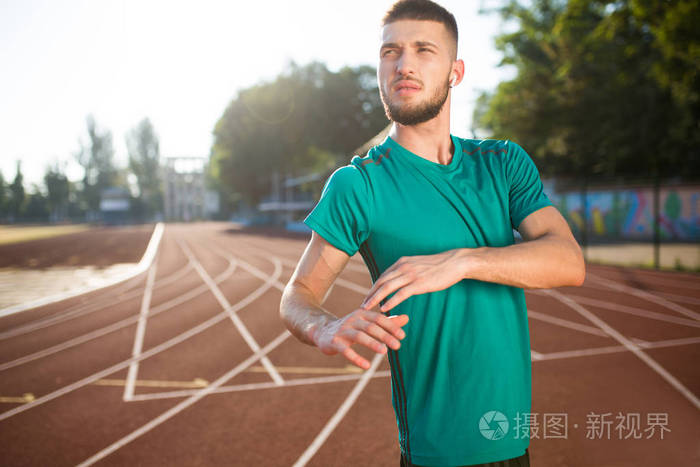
x,y
430,140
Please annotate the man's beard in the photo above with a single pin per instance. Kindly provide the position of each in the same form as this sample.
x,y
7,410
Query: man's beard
x,y
422,112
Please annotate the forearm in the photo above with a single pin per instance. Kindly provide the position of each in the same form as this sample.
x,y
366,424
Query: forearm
x,y
548,261
302,313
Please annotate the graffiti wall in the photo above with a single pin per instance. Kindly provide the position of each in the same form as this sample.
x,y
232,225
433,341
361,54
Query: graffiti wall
x,y
629,213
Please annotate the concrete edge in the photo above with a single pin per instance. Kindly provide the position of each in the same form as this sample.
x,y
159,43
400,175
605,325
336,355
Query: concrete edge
x,y
146,261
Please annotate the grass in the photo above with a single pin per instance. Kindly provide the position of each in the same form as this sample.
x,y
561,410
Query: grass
x,y
17,234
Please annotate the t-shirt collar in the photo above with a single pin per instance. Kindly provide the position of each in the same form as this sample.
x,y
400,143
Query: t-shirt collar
x,y
423,162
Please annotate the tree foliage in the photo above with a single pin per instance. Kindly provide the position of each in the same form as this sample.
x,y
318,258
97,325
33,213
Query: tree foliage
x,y
97,159
602,87
3,197
144,159
306,119
58,188
17,194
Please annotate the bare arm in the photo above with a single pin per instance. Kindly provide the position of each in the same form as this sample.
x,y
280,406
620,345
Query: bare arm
x,y
549,257
301,311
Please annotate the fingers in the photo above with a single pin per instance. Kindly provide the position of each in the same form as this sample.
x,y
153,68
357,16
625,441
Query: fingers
x,y
364,339
399,321
367,328
374,330
381,280
354,358
389,286
392,324
380,335
398,297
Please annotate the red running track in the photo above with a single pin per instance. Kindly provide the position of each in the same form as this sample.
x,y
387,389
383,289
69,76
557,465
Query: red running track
x,y
189,364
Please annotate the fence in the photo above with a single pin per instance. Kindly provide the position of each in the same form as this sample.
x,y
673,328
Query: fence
x,y
611,212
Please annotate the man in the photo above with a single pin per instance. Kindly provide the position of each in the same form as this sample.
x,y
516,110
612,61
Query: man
x,y
433,217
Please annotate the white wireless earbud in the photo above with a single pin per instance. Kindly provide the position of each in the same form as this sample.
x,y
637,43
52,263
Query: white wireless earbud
x,y
452,81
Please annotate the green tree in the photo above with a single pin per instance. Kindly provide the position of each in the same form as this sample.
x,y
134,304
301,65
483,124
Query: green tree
x,y
58,188
3,197
17,194
586,99
308,118
37,206
144,162
97,159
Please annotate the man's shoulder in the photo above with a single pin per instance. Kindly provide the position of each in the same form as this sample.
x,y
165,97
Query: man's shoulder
x,y
484,147
374,165
375,157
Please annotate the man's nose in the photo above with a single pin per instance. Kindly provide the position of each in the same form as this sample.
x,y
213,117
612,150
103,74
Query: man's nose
x,y
405,65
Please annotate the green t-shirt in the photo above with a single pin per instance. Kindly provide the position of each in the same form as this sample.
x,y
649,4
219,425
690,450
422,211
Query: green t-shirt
x,y
467,348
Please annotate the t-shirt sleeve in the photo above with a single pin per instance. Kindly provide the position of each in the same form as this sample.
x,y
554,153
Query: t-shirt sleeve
x,y
526,194
342,215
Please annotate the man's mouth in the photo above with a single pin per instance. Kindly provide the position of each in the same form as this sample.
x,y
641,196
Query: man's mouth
x,y
406,87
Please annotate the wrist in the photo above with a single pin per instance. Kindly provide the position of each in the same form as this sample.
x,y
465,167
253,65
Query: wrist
x,y
314,329
472,259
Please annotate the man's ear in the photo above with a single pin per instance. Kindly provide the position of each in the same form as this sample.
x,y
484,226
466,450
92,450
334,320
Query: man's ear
x,y
457,72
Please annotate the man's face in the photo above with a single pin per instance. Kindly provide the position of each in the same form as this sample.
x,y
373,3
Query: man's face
x,y
415,63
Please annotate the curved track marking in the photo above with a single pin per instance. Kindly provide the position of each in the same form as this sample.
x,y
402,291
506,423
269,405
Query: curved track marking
x,y
629,345
140,268
85,309
340,413
187,402
149,353
258,355
669,296
189,295
140,332
627,309
565,323
647,296
618,348
255,386
223,301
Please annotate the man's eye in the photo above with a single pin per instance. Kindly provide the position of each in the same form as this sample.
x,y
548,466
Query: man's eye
x,y
423,49
387,52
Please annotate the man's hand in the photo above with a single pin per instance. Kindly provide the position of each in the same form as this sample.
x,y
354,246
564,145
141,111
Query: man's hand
x,y
413,275
369,328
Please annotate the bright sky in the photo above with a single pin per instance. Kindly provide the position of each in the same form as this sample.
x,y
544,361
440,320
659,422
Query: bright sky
x,y
180,63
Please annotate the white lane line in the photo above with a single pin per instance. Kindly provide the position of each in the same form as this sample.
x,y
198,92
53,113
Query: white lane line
x,y
632,347
670,296
189,295
186,403
663,278
82,310
627,309
618,348
272,280
223,301
140,333
141,267
347,404
340,413
536,356
680,298
565,323
646,296
339,281
256,386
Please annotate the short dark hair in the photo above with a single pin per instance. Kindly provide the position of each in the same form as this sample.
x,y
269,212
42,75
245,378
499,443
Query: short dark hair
x,y
423,10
